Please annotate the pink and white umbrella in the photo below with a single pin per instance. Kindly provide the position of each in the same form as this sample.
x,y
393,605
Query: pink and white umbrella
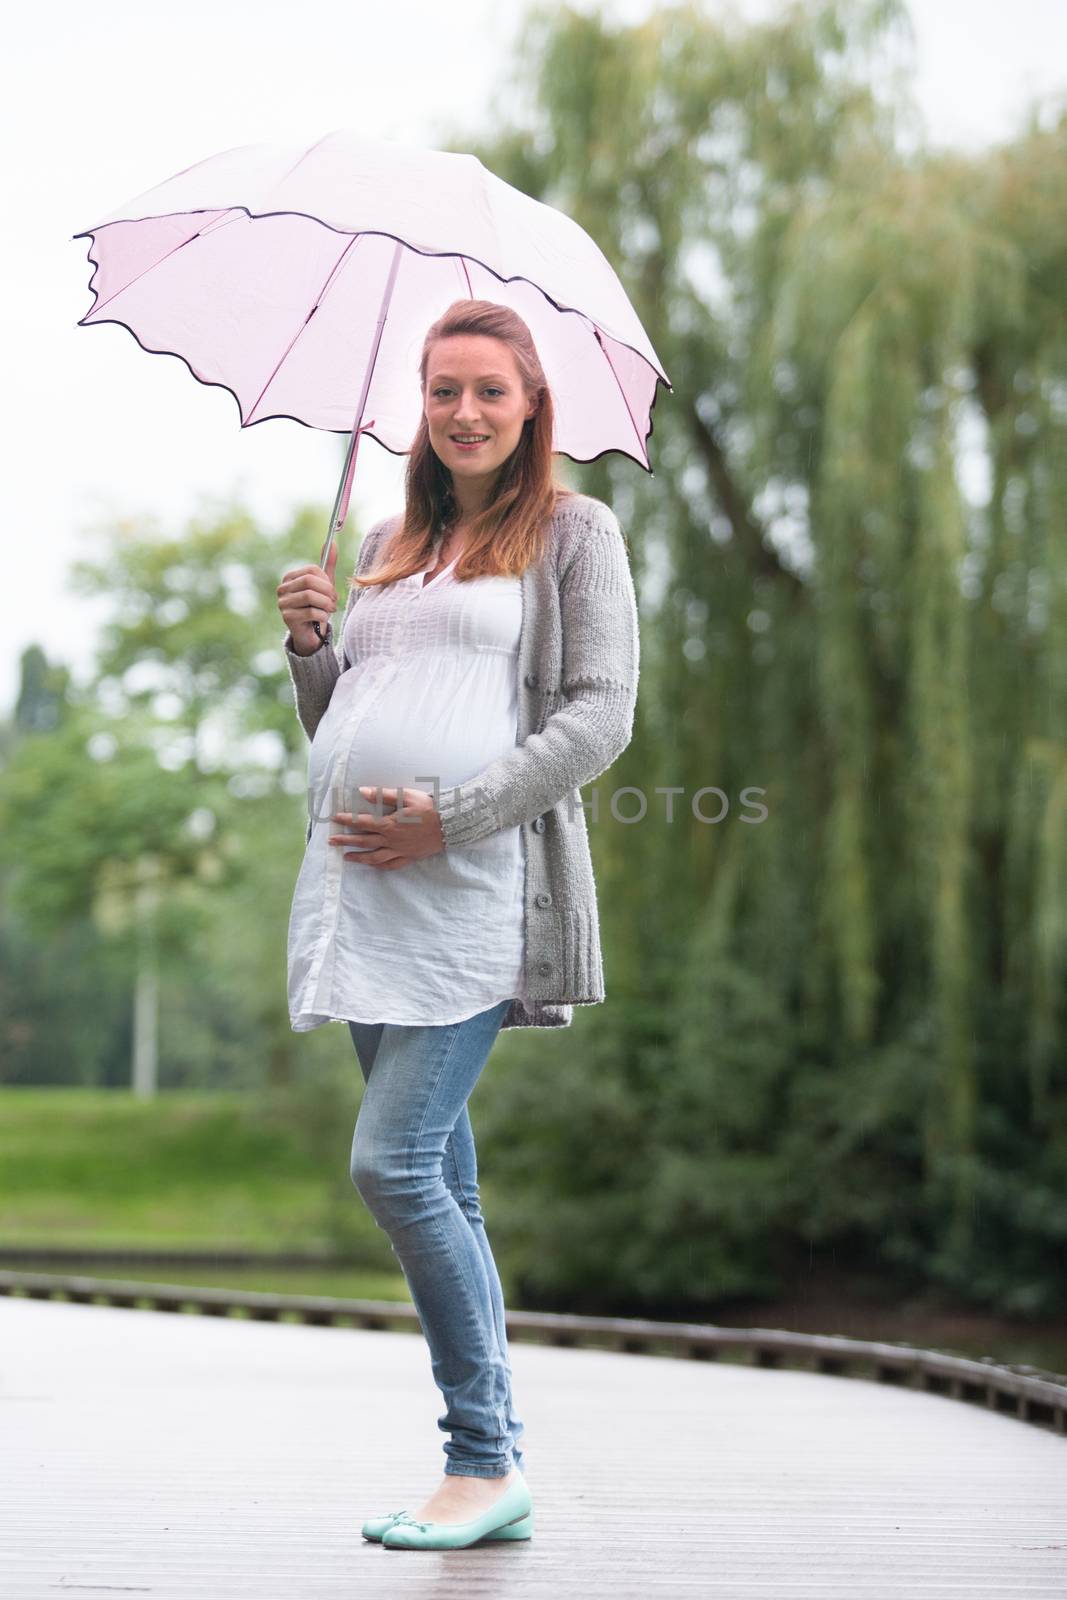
x,y
304,280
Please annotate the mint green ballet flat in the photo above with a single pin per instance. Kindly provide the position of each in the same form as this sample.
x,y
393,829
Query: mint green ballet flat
x,y
510,1517
374,1528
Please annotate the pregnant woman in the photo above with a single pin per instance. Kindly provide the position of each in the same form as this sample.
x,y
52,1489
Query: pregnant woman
x,y
487,668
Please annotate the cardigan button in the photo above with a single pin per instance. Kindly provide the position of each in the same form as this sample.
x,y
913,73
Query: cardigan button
x,y
531,680
544,968
539,824
544,899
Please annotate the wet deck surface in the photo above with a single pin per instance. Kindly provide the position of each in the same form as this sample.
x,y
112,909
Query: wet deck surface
x,y
148,1454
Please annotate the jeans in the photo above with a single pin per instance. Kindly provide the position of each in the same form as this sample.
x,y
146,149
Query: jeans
x,y
413,1163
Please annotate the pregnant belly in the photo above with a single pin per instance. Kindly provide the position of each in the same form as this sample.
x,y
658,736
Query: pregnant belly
x,y
405,740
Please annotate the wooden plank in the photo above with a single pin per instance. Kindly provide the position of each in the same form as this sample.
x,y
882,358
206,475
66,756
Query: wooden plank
x,y
182,1455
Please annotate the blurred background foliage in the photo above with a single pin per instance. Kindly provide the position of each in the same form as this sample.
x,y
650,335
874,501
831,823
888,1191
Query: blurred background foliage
x,y
841,1028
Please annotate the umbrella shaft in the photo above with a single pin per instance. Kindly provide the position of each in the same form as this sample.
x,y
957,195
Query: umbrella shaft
x,y
344,488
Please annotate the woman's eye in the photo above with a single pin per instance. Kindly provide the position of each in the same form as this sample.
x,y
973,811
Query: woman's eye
x,y
491,390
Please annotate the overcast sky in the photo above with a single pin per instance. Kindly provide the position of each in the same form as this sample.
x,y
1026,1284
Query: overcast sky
x,y
102,102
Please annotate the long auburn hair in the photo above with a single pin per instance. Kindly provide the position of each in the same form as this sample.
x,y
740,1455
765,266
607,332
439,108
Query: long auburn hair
x,y
509,535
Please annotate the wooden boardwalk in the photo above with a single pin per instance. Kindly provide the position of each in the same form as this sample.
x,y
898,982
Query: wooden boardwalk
x,y
177,1455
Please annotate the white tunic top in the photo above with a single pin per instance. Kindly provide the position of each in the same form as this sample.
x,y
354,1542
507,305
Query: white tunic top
x,y
432,692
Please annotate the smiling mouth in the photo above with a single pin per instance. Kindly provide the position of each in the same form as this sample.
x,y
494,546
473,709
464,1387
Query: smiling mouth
x,y
468,444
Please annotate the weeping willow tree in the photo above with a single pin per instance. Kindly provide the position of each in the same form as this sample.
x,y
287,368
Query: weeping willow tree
x,y
846,1021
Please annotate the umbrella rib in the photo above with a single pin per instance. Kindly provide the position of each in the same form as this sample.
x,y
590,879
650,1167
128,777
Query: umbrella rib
x,y
212,227
622,391
331,275
309,151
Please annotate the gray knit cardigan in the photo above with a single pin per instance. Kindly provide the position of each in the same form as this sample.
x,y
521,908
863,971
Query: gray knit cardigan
x,y
577,670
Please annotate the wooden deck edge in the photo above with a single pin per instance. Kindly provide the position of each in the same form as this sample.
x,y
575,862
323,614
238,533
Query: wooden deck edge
x,y
1025,1393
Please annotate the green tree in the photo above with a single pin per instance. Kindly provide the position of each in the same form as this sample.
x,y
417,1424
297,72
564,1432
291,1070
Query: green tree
x,y
829,619
156,805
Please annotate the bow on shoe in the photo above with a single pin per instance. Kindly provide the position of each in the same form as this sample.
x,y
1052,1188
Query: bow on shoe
x,y
411,1522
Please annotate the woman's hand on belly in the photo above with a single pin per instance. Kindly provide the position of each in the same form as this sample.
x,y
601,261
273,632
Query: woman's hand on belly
x,y
412,829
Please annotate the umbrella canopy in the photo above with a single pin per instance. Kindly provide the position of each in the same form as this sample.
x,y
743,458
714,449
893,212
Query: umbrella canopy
x,y
304,280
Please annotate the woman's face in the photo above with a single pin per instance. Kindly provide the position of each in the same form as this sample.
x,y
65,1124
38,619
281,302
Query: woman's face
x,y
473,387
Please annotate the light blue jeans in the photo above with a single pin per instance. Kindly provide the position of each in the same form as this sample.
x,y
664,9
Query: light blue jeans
x,y
414,1164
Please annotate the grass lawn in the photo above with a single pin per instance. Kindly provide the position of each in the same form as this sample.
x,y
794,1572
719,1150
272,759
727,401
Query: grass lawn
x,y
90,1168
